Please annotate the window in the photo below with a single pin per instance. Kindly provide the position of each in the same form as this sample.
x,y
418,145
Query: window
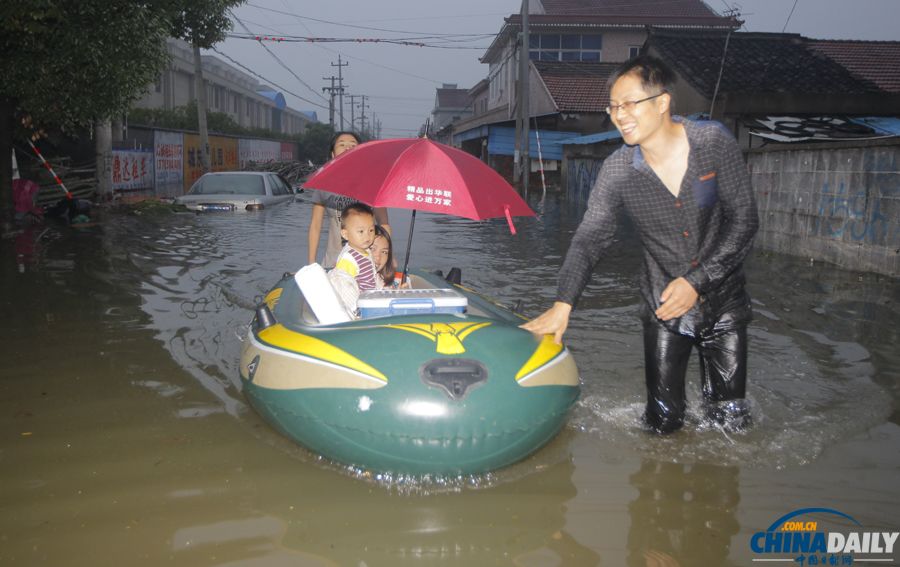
x,y
634,51
565,47
214,184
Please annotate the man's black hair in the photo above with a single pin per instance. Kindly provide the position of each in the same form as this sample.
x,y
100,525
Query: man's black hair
x,y
654,74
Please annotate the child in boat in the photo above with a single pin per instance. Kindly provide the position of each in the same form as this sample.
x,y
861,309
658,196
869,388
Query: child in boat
x,y
354,270
383,257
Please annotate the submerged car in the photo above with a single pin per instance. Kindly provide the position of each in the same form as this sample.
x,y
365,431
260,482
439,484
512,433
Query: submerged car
x,y
237,191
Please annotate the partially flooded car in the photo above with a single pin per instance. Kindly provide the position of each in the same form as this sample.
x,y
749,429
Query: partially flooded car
x,y
237,191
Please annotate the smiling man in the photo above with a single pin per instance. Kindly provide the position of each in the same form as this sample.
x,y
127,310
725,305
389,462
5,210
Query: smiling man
x,y
686,187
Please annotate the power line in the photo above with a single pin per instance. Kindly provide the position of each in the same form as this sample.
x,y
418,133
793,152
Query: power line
x,y
304,39
280,62
789,16
350,25
257,75
459,16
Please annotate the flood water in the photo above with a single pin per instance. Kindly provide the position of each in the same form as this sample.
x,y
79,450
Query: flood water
x,y
126,439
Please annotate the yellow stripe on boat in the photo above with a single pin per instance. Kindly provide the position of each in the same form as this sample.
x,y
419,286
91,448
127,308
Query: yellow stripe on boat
x,y
449,337
545,352
550,364
273,297
280,337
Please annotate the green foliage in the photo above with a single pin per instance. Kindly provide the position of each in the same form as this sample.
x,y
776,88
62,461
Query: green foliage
x,y
185,118
68,62
313,145
201,22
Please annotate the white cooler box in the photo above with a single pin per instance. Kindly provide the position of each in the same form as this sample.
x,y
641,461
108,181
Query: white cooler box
x,y
384,302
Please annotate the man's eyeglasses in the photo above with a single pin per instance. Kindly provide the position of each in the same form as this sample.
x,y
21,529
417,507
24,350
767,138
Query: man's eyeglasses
x,y
629,105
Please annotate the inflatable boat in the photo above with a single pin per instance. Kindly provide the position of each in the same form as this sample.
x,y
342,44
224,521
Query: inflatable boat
x,y
432,380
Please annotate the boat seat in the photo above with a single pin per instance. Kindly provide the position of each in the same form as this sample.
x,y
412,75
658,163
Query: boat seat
x,y
320,295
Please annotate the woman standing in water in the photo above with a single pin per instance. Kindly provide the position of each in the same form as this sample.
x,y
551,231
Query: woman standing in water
x,y
327,209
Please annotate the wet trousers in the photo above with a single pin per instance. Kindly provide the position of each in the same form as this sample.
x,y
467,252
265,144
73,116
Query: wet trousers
x,y
723,372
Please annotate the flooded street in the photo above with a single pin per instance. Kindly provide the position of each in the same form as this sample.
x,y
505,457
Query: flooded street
x,y
127,441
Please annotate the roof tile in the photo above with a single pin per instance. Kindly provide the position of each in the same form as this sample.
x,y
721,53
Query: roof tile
x,y
877,61
577,86
661,8
755,63
453,98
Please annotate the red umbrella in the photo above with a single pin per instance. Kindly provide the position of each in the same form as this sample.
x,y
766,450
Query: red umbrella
x,y
422,175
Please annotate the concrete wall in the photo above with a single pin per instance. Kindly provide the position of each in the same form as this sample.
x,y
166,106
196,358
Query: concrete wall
x,y
835,205
838,205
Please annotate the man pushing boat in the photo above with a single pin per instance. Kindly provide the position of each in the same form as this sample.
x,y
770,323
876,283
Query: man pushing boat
x,y
685,186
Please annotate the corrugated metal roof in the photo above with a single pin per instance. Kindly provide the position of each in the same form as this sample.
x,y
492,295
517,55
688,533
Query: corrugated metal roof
x,y
593,138
275,97
502,141
883,124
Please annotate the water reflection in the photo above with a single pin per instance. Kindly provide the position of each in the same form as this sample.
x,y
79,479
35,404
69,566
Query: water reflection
x,y
684,515
199,277
334,520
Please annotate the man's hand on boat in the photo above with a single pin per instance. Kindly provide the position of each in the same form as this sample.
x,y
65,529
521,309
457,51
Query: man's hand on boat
x,y
553,321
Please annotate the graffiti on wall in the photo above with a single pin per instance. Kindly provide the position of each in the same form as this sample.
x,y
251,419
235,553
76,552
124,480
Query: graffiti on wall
x,y
132,170
844,215
223,156
169,152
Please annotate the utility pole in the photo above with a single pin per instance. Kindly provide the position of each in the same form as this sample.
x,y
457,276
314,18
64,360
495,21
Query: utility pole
x,y
331,90
340,67
352,113
363,106
524,67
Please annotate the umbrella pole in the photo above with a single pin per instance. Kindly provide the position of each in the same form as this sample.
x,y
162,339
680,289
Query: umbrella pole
x,y
412,224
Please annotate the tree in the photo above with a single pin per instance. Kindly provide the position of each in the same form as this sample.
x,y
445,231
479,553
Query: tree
x,y
314,143
202,23
67,63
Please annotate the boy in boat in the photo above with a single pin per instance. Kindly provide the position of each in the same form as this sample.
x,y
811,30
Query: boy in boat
x,y
354,270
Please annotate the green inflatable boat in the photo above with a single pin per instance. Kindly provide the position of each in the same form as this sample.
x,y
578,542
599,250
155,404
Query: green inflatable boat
x,y
434,380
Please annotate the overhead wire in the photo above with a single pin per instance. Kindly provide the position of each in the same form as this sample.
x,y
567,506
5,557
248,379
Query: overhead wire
x,y
355,26
789,16
280,62
435,40
269,81
305,39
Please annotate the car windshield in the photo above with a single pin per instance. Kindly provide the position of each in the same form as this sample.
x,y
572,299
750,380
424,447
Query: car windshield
x,y
229,185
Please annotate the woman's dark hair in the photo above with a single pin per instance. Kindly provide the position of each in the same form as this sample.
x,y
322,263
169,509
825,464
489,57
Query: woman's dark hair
x,y
653,73
387,271
337,135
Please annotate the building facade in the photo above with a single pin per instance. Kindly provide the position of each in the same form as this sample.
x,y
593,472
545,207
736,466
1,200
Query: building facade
x,y
228,90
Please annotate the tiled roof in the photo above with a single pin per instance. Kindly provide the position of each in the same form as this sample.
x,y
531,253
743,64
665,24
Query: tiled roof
x,y
452,98
661,8
577,86
755,63
878,61
625,21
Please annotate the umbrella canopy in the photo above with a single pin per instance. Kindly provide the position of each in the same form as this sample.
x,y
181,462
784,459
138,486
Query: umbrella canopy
x,y
419,174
